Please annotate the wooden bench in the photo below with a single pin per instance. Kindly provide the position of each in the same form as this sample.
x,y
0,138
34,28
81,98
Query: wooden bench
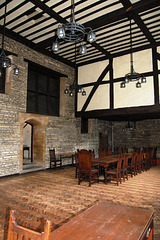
x,y
16,232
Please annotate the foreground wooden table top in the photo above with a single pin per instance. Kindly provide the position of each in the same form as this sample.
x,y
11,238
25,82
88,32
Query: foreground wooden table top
x,y
109,222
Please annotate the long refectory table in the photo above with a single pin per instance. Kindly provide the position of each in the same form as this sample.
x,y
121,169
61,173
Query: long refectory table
x,y
110,222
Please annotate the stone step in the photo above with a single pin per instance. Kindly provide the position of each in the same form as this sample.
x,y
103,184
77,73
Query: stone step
x,y
32,167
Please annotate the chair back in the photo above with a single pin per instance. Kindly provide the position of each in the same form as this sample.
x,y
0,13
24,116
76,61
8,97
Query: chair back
x,y
116,151
76,158
109,152
135,160
16,232
124,149
102,153
92,153
141,156
84,159
52,153
119,163
154,152
123,160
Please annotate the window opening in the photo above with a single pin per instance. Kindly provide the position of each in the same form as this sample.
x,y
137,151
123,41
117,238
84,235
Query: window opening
x,y
84,125
43,91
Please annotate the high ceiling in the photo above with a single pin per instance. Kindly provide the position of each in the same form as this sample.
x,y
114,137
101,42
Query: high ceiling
x,y
34,23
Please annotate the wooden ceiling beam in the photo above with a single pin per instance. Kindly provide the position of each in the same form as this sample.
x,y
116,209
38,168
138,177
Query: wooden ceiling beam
x,y
123,114
102,50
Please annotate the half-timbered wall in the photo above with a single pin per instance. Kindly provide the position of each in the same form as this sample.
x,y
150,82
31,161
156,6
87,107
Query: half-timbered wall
x,y
129,96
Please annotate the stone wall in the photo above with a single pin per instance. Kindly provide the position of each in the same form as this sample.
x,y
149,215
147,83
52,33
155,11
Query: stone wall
x,y
63,133
147,134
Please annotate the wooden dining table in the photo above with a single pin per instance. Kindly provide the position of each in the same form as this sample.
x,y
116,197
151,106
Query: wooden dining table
x,y
105,161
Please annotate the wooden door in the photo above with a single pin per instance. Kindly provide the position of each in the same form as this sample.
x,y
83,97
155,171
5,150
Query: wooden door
x,y
103,141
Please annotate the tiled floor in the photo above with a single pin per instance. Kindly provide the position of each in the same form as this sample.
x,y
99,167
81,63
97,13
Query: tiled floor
x,y
55,195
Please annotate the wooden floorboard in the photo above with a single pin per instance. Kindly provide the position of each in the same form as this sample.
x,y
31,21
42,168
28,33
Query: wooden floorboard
x,y
55,195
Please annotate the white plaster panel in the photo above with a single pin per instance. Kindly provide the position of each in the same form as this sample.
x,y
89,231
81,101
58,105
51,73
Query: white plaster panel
x,y
158,50
142,62
132,96
100,99
91,72
82,99
121,66
159,85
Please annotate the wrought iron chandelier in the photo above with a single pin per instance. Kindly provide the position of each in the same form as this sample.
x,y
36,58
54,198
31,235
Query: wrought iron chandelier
x,y
5,62
74,32
132,76
74,87
129,127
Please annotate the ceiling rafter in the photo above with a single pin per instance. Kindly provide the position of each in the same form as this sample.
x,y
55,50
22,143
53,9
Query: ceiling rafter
x,y
117,15
34,24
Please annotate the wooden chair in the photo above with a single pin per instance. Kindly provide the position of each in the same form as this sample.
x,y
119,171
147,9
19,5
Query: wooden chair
x,y
92,154
124,149
144,161
147,155
16,232
116,151
154,156
150,157
124,166
153,153
102,153
77,164
109,152
87,171
132,164
54,162
114,174
138,162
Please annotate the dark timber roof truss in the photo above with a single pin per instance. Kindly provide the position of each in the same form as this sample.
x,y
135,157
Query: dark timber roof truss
x,y
34,23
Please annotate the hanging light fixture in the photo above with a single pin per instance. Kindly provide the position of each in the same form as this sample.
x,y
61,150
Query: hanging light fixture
x,y
74,32
16,70
132,76
129,127
5,62
74,87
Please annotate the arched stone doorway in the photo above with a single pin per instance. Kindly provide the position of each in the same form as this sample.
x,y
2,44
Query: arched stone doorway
x,y
27,143
38,123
